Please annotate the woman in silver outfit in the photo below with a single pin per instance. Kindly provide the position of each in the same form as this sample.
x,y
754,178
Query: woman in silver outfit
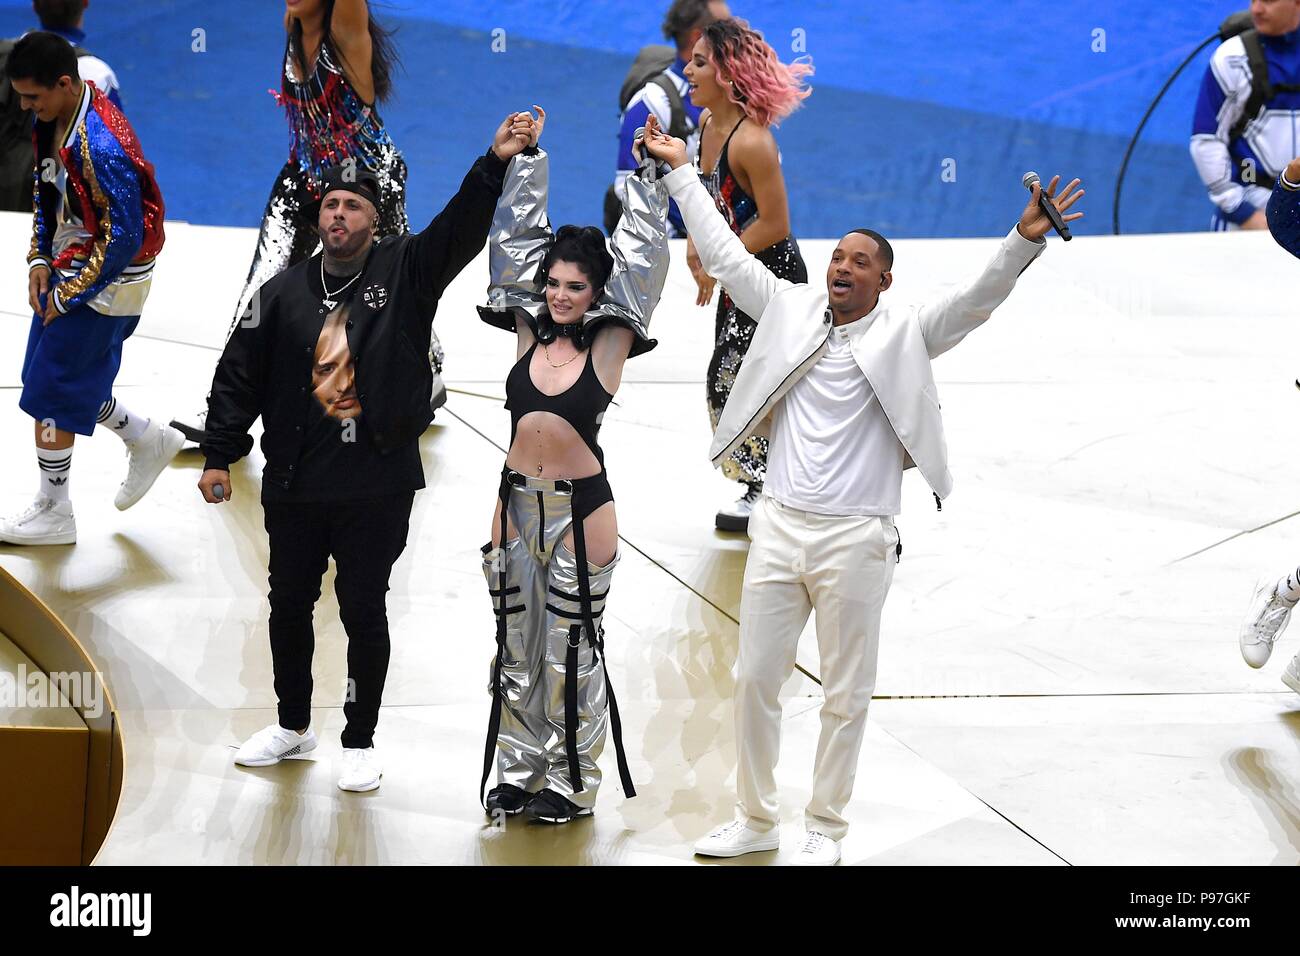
x,y
579,309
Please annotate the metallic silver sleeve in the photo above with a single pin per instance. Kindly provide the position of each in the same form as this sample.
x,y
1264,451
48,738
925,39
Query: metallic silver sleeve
x,y
517,243
640,250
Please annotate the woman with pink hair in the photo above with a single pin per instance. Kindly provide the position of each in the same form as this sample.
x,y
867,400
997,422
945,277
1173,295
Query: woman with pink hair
x,y
737,77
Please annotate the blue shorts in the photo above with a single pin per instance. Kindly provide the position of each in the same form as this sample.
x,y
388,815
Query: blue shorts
x,y
70,366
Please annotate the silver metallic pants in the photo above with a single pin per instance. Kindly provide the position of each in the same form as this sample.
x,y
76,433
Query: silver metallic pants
x,y
549,665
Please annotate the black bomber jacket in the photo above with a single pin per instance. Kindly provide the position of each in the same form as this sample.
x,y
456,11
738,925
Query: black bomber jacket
x,y
267,363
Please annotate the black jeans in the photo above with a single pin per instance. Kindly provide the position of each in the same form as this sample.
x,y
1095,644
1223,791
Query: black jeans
x,y
366,537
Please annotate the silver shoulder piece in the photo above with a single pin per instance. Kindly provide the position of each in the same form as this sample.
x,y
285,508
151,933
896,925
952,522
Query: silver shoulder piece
x,y
517,243
640,250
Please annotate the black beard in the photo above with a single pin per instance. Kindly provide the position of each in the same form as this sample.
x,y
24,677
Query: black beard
x,y
349,258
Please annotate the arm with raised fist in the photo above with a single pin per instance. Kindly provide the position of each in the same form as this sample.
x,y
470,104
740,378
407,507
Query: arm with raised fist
x,y
520,235
456,235
750,284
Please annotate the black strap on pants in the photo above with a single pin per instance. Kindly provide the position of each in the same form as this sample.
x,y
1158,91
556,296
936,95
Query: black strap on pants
x,y
570,676
494,718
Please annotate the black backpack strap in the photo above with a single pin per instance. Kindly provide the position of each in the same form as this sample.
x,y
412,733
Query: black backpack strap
x,y
1261,90
677,126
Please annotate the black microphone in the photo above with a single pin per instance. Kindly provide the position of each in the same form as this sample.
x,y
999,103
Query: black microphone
x,y
1049,208
1235,24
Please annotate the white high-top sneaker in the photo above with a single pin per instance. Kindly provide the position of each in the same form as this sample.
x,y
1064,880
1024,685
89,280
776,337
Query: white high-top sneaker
x,y
1291,676
149,455
1265,621
45,521
735,516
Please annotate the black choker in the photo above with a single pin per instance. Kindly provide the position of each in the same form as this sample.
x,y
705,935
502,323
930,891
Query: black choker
x,y
548,330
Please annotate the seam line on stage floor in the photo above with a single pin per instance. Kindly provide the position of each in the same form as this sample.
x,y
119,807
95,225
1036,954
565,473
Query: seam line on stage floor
x,y
1233,537
994,809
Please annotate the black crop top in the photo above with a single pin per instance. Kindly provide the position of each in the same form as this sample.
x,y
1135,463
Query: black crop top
x,y
581,404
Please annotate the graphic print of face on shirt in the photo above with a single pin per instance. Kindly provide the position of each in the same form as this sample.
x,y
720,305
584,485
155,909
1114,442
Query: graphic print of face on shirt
x,y
333,379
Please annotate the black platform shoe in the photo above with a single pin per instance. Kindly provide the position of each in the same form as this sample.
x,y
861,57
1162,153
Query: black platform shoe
x,y
547,806
508,799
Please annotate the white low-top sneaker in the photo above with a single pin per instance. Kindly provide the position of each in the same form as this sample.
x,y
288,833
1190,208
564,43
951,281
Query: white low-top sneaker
x,y
1265,621
45,521
735,516
148,455
361,770
736,839
272,744
817,849
1291,676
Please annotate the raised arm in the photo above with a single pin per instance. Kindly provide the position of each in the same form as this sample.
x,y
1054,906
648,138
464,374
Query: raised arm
x,y
520,235
456,235
620,322
723,256
950,319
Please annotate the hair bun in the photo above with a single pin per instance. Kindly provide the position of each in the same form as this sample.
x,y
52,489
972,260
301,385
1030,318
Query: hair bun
x,y
583,245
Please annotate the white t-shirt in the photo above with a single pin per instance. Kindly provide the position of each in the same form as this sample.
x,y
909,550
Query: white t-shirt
x,y
832,449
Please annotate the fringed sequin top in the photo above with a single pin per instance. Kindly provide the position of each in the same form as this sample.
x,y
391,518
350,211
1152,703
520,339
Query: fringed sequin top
x,y
328,122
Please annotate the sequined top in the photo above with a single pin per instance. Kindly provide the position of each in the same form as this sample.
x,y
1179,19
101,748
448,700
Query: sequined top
x,y
736,205
99,221
328,121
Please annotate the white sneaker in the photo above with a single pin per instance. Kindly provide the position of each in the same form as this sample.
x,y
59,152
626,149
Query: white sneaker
x,y
45,521
149,455
1291,676
1265,621
736,839
361,770
817,849
735,516
272,744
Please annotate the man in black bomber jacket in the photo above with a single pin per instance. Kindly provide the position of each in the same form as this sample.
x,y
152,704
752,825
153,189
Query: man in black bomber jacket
x,y
332,356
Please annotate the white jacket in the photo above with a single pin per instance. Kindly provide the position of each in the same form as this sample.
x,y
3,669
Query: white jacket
x,y
794,323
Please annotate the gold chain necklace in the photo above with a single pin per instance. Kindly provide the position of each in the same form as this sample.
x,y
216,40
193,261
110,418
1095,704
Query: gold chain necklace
x,y
546,348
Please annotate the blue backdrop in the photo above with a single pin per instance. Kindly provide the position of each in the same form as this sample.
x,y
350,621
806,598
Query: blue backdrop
x,y
903,90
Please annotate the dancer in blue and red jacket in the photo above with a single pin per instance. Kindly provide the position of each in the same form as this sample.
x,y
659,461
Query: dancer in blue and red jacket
x,y
97,227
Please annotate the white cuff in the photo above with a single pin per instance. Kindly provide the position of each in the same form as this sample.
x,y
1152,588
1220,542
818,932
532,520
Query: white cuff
x,y
1018,245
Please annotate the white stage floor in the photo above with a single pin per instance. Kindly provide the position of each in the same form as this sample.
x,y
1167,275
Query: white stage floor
x,y
1059,675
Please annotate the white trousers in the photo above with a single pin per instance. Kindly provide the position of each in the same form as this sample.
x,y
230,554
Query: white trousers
x,y
841,567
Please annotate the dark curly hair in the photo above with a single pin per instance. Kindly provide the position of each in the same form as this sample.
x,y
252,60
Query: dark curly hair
x,y
584,246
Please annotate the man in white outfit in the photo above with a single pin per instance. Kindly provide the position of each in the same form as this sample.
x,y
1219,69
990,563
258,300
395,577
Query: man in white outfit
x,y
847,386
